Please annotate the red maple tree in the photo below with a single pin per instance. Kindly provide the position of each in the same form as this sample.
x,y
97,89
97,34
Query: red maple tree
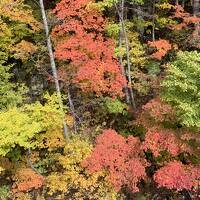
x,y
83,45
175,175
159,140
121,157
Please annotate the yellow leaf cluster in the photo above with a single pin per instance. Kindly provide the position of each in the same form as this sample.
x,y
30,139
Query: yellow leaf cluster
x,y
165,5
23,50
69,120
16,10
52,139
21,126
137,52
74,180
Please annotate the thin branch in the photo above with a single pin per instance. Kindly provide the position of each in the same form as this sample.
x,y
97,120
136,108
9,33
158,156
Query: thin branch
x,y
30,162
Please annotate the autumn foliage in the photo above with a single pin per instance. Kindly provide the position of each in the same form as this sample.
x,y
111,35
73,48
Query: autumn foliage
x,y
124,141
175,175
83,45
159,110
185,17
162,47
120,157
163,140
26,179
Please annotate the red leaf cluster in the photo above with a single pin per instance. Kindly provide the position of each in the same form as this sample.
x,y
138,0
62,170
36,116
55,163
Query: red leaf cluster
x,y
186,18
176,175
26,179
159,110
120,157
154,113
82,43
160,140
162,47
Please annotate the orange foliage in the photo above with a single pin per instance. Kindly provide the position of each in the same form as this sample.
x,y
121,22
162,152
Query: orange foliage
x,y
162,47
26,180
155,112
23,50
159,110
186,18
17,11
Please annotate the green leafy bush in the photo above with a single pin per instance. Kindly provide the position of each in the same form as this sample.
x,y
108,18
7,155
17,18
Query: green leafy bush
x,y
10,93
181,87
115,106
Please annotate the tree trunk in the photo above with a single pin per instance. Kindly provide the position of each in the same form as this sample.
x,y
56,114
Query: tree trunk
x,y
196,8
140,17
120,57
53,66
121,18
153,22
196,12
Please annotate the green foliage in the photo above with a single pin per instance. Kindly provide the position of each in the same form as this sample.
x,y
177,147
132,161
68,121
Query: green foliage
x,y
10,93
17,24
153,68
181,87
113,29
115,106
4,192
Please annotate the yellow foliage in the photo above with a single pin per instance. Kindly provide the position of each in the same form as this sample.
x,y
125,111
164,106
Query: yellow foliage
x,y
21,126
40,197
22,196
137,52
73,179
16,10
4,30
23,50
165,5
52,139
69,120
17,128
